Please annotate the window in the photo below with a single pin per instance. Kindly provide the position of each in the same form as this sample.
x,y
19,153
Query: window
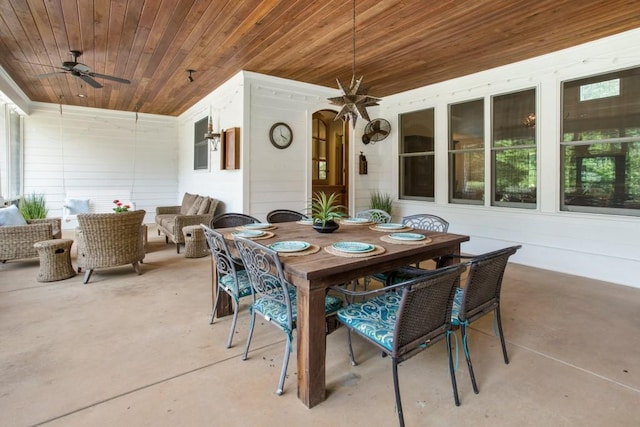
x,y
200,145
417,155
319,150
466,152
11,152
600,144
513,149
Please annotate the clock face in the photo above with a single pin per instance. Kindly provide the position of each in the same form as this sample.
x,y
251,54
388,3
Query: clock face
x,y
281,135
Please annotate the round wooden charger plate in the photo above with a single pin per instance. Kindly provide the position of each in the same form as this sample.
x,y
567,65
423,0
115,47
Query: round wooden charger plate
x,y
387,230
266,235
359,224
243,228
377,251
312,249
406,242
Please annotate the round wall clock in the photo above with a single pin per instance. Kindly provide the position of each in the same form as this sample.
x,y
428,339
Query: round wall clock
x,y
280,135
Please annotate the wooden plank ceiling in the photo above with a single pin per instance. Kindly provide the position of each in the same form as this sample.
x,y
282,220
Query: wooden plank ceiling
x,y
400,44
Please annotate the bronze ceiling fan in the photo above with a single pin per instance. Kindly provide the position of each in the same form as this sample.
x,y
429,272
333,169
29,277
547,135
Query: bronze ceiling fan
x,y
80,70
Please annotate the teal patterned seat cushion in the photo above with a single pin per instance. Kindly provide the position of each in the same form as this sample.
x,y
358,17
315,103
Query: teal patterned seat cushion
x,y
374,318
229,284
457,303
277,312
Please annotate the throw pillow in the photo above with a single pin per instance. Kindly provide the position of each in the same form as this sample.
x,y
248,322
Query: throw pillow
x,y
195,206
204,206
77,206
11,216
187,202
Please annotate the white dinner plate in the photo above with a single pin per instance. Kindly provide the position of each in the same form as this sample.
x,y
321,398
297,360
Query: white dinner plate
x,y
390,226
289,246
356,220
353,247
257,226
308,221
249,233
406,236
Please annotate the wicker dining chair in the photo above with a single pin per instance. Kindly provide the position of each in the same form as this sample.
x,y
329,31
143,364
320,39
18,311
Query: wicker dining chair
x,y
232,219
481,296
109,240
231,276
376,215
273,298
405,319
284,215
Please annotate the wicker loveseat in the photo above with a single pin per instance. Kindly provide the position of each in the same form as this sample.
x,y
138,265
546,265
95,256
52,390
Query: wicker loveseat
x,y
194,210
16,242
109,240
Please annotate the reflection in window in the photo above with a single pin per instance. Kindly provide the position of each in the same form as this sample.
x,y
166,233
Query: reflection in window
x,y
417,155
200,145
600,146
513,149
319,150
466,152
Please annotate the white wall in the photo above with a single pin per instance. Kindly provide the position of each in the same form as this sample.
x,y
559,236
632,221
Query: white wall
x,y
85,149
599,246
280,178
226,103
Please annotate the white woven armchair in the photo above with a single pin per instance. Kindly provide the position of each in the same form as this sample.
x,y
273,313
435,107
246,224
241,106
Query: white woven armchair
x,y
109,240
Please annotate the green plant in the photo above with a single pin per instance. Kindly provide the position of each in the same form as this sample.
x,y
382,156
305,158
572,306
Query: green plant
x,y
382,201
33,206
325,208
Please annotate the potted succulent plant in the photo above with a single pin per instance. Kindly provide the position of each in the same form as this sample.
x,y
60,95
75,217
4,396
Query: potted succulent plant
x,y
324,211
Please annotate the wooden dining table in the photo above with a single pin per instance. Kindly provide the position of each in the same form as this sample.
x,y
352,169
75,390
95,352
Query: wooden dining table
x,y
313,273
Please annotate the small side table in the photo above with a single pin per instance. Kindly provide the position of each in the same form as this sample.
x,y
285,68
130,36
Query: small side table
x,y
55,260
195,244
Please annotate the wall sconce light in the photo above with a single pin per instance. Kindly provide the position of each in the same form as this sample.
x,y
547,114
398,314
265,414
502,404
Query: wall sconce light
x,y
210,135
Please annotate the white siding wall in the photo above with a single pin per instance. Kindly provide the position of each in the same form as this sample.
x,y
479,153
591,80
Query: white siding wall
x,y
85,149
226,104
598,246
281,178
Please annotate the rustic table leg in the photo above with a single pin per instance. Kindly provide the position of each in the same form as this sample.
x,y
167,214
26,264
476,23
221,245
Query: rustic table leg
x,y
311,346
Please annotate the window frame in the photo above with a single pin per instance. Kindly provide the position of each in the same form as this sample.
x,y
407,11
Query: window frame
x,y
426,154
451,152
590,79
493,150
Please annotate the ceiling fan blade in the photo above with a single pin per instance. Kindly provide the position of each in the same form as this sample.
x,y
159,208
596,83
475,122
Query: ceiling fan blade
x,y
112,78
42,76
89,80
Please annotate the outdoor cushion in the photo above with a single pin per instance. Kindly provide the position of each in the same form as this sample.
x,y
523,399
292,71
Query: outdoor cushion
x,y
11,216
374,318
77,206
204,206
229,284
277,312
457,304
187,202
193,210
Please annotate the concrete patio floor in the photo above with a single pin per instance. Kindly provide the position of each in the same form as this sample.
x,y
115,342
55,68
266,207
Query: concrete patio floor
x,y
128,350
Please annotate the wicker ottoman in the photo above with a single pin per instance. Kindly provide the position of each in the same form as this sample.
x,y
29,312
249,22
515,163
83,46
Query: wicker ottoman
x,y
55,260
195,244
